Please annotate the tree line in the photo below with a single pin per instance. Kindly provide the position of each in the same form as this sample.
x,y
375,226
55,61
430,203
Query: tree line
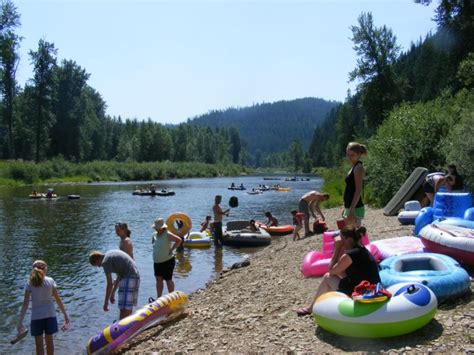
x,y
58,114
407,106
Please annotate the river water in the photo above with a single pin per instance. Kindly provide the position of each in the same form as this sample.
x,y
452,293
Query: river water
x,y
63,232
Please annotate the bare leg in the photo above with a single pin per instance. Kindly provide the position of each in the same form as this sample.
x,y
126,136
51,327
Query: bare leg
x,y
306,226
159,286
170,285
39,345
328,283
49,344
125,313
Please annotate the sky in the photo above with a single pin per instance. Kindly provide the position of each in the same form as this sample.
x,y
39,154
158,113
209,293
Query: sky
x,y
173,60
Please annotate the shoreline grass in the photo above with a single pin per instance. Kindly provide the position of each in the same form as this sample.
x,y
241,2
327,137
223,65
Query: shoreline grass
x,y
18,173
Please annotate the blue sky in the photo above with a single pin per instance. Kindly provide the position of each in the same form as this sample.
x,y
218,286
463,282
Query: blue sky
x,y
171,60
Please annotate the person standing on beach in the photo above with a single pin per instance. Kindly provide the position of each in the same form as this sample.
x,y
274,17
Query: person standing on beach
x,y
354,210
42,291
164,242
122,231
127,281
298,223
218,216
309,204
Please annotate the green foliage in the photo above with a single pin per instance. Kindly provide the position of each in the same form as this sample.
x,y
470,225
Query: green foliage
x,y
415,135
333,184
60,170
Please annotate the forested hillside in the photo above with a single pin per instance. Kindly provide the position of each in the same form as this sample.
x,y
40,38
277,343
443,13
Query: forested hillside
x,y
271,127
413,108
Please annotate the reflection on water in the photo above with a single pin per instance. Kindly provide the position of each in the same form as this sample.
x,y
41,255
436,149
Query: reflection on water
x,y
63,233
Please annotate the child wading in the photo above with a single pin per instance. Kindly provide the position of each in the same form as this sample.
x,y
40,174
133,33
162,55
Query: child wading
x,y
42,291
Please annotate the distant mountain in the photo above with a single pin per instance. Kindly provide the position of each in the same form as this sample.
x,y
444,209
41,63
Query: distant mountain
x,y
271,127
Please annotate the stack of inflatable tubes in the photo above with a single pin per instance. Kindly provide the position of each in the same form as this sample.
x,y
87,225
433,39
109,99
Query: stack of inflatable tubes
x,y
397,246
316,263
118,333
442,274
179,223
455,241
197,240
411,307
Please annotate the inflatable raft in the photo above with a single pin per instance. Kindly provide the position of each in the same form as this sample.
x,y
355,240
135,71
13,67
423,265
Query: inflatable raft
x,y
457,242
244,238
316,263
118,333
411,307
197,240
398,246
440,273
279,230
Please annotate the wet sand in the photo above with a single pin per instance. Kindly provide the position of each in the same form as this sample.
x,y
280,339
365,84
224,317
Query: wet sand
x,y
252,309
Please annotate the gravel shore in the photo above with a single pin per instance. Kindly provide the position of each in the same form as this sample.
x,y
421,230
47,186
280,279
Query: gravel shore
x,y
252,309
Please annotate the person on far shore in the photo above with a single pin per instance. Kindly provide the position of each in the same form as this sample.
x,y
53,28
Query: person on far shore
x,y
164,242
206,224
218,216
272,221
42,291
298,223
354,210
355,265
309,203
127,281
122,231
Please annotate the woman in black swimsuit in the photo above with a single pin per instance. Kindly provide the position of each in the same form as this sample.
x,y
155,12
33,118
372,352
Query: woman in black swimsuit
x,y
354,210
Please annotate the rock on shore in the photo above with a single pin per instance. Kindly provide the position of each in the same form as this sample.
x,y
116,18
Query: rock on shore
x,y
252,309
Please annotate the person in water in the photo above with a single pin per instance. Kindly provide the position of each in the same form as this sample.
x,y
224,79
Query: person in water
x,y
354,210
164,242
355,265
271,220
43,293
206,224
218,216
298,223
309,204
122,231
127,281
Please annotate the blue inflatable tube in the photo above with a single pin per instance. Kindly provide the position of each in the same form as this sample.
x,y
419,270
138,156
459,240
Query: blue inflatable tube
x,y
441,273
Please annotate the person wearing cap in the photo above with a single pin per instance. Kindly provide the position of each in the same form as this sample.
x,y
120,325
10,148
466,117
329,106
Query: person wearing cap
x,y
164,242
127,281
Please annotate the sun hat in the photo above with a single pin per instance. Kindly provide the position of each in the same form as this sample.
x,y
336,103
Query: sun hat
x,y
159,223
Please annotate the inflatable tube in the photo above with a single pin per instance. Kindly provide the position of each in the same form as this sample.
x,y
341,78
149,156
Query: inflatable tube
x,y
411,307
455,222
406,191
36,196
451,204
424,218
469,214
440,273
174,228
457,242
165,192
398,246
118,333
283,189
316,263
243,238
197,240
279,230
73,197
408,217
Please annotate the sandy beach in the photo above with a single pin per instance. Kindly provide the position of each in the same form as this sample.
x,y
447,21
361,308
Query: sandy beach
x,y
252,309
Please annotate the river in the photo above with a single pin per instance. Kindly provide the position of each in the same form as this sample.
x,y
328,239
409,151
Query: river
x,y
63,232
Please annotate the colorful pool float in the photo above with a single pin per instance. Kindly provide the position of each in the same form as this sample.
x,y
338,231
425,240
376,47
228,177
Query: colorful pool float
x,y
455,241
179,223
279,230
442,274
411,307
398,246
316,263
197,240
118,333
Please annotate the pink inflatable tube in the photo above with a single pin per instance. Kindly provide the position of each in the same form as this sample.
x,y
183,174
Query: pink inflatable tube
x,y
316,263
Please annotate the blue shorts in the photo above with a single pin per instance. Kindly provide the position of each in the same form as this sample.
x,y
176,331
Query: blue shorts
x,y
46,326
128,292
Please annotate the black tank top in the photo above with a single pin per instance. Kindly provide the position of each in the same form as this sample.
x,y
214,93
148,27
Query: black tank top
x,y
349,191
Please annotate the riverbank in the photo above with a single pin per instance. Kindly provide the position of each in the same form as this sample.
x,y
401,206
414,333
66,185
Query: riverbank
x,y
56,171
253,309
